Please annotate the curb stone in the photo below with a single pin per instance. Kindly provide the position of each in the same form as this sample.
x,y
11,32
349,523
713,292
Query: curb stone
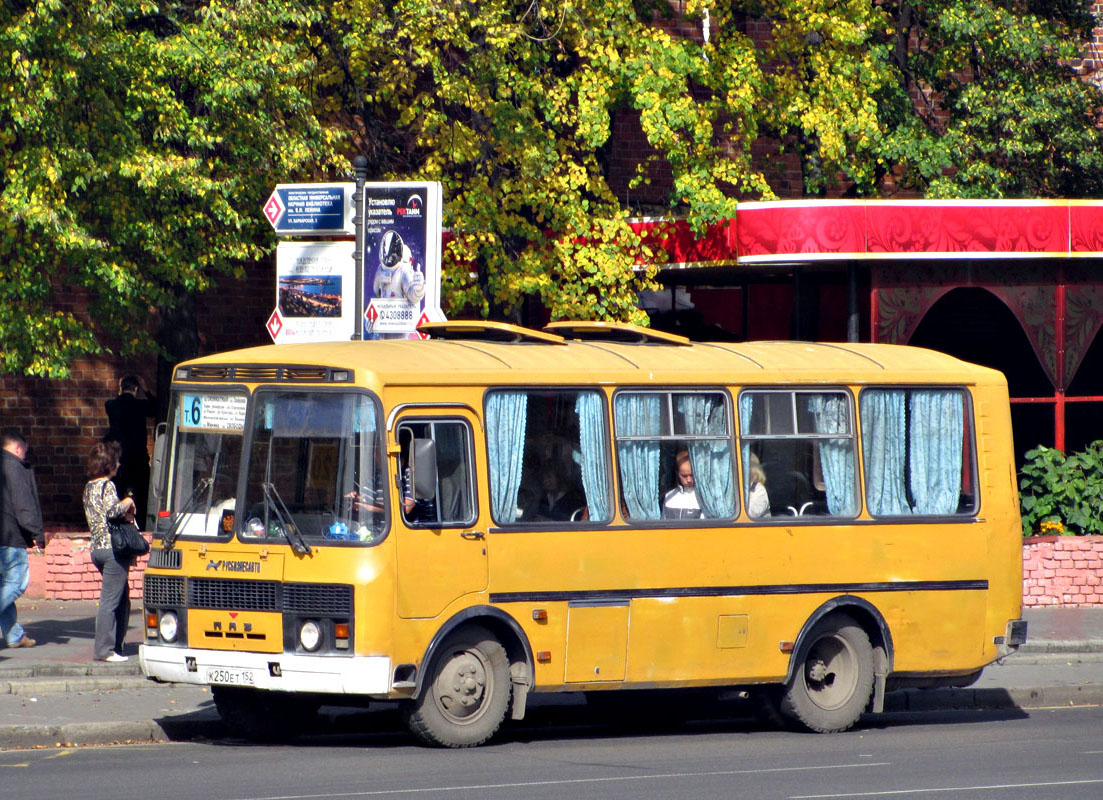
x,y
994,699
185,728
35,686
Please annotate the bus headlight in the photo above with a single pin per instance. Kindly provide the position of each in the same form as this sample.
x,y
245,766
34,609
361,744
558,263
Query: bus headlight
x,y
168,626
310,635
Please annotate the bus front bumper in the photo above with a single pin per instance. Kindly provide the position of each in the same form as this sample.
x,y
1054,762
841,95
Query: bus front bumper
x,y
359,675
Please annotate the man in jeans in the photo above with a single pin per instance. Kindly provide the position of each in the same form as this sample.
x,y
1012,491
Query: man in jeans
x,y
20,528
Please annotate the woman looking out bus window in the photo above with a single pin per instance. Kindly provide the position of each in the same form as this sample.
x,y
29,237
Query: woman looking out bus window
x,y
681,501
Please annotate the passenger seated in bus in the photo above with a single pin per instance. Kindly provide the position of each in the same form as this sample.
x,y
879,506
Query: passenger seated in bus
x,y
681,501
758,500
556,501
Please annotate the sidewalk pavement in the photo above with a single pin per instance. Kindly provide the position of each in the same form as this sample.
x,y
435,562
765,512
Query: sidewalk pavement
x,y
54,694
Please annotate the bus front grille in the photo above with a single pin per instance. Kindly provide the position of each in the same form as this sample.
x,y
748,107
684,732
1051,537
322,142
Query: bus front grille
x,y
234,595
301,599
319,599
163,591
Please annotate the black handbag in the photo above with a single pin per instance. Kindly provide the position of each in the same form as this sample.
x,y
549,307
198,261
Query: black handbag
x,y
126,540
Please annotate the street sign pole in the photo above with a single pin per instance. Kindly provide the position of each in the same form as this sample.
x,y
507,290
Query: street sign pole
x,y
360,165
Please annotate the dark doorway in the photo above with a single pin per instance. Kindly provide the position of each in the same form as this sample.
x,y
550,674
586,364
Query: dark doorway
x,y
1084,419
975,325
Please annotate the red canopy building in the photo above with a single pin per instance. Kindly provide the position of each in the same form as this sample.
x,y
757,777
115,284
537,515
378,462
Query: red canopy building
x,y
1014,284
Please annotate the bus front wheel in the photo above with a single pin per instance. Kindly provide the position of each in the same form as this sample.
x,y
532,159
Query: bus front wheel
x,y
834,680
466,695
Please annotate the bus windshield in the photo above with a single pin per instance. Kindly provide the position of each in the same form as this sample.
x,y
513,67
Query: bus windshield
x,y
205,460
315,469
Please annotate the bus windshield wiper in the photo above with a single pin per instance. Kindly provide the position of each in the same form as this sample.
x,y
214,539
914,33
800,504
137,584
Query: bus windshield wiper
x,y
169,538
298,544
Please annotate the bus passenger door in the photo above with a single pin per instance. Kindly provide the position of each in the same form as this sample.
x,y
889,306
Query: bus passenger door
x,y
441,545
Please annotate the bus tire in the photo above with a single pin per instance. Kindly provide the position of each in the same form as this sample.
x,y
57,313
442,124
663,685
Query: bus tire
x,y
466,694
262,716
834,680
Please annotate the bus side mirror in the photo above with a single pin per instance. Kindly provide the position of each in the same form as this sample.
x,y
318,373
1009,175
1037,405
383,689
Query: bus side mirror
x,y
157,477
423,468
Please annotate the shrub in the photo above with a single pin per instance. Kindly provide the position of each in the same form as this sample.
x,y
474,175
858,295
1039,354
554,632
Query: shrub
x,y
1061,494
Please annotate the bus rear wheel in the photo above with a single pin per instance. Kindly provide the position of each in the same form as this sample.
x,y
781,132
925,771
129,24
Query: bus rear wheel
x,y
466,695
834,680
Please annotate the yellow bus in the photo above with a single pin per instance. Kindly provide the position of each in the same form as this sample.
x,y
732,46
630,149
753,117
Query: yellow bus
x,y
453,524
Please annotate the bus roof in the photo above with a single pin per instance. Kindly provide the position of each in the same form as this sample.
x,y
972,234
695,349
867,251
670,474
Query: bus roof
x,y
478,362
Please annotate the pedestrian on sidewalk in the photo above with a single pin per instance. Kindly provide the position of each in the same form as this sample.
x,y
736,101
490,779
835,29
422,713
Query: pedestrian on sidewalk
x,y
101,503
20,528
126,417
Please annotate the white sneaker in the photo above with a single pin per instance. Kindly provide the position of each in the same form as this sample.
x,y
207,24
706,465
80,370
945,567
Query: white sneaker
x,y
115,657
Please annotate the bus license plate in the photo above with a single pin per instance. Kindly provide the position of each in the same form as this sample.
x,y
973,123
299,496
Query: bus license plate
x,y
231,677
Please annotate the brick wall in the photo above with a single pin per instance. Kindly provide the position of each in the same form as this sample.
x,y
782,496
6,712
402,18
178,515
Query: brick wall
x,y
1063,571
63,419
64,570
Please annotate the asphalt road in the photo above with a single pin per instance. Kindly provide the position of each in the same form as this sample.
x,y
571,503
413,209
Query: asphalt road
x,y
1053,754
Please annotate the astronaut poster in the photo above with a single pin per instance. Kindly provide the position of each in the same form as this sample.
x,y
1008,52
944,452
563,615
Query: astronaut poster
x,y
402,241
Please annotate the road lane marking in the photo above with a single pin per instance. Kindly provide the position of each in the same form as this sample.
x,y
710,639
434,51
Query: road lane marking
x,y
888,793
565,782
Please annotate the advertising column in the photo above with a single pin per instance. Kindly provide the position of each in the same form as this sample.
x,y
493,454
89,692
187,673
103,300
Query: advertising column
x,y
402,241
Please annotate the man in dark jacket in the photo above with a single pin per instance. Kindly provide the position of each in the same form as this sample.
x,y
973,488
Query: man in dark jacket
x,y
126,415
20,528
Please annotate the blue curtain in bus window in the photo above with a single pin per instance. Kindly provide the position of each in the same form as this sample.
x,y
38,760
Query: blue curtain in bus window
x,y
935,435
883,444
591,440
505,443
706,414
745,406
832,415
639,415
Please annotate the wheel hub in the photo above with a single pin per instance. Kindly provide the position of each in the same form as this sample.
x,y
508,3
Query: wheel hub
x,y
831,673
462,686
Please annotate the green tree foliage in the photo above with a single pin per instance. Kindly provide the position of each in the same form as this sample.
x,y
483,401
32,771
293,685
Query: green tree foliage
x,y
140,138
510,104
137,147
827,66
988,101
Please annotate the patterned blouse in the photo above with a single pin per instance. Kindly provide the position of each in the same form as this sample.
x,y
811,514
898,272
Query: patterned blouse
x,y
101,502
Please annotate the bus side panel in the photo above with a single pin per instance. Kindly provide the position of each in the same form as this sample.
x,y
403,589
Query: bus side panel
x,y
1000,509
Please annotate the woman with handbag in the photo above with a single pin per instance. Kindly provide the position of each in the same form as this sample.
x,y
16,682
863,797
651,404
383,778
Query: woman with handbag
x,y
101,506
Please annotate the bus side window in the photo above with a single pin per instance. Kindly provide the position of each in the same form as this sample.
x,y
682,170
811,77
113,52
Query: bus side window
x,y
805,445
661,435
917,449
443,496
548,456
